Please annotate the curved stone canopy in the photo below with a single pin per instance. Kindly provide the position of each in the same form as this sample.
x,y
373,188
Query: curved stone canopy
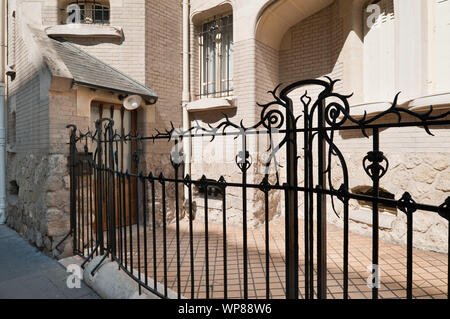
x,y
84,30
278,16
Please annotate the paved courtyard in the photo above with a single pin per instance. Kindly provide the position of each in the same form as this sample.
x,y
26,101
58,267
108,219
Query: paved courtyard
x,y
430,268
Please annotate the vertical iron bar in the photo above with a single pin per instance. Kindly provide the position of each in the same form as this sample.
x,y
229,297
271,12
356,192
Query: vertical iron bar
x,y
244,212
191,239
112,191
130,221
106,192
177,221
292,206
91,211
124,231
82,206
155,275
306,161
72,187
311,224
138,236
120,211
96,204
321,207
375,178
144,203
99,212
163,189
78,206
224,230
267,238
345,290
409,254
206,240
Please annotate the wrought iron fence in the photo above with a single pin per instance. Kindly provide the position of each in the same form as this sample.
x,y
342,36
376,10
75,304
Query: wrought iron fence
x,y
107,220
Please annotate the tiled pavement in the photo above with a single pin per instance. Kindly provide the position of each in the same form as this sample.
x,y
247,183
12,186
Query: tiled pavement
x,y
429,275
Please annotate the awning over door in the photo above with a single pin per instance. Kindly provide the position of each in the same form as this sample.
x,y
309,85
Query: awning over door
x,y
89,71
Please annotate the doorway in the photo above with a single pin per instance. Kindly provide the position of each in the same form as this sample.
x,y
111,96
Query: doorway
x,y
124,122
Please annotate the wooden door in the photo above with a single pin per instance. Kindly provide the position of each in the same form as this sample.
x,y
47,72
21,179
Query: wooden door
x,y
125,194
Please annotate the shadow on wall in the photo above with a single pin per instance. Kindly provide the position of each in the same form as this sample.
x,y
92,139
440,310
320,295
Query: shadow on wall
x,y
310,48
92,41
211,118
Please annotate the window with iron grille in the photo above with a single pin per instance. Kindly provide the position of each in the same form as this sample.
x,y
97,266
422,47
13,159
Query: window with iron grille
x,y
216,57
87,12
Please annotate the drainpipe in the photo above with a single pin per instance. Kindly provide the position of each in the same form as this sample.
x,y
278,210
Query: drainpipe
x,y
186,86
2,114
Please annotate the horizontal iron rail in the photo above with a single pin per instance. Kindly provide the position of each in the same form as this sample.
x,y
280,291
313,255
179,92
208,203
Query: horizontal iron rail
x,y
336,193
266,132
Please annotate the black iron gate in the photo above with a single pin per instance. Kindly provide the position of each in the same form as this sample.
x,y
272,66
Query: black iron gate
x,y
101,209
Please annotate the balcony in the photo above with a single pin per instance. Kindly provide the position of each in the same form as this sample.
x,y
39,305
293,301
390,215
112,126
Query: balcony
x,y
85,19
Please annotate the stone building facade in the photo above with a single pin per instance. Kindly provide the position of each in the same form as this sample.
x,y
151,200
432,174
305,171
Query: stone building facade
x,y
376,48
133,38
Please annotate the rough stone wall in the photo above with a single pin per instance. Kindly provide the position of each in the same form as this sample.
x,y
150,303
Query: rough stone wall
x,y
424,175
37,205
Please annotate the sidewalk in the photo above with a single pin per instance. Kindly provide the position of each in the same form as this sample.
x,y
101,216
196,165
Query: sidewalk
x,y
26,273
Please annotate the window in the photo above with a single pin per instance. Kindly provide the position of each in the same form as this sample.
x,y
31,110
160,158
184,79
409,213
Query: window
x,y
88,12
216,57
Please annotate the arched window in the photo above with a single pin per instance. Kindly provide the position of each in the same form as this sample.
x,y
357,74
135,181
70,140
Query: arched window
x,y
379,51
86,12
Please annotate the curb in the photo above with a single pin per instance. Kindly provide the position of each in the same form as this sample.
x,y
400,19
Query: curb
x,y
109,282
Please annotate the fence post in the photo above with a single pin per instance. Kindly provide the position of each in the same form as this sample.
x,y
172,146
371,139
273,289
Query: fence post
x,y
72,184
321,205
291,206
99,188
111,203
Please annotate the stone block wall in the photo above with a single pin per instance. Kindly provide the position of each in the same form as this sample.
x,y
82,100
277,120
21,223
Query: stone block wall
x,y
38,208
424,175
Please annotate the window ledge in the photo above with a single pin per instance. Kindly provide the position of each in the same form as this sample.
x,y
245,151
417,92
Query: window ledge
x,y
370,107
438,101
206,104
85,30
364,216
423,103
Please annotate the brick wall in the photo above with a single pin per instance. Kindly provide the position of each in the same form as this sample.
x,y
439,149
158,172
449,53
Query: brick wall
x,y
27,96
315,46
128,56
